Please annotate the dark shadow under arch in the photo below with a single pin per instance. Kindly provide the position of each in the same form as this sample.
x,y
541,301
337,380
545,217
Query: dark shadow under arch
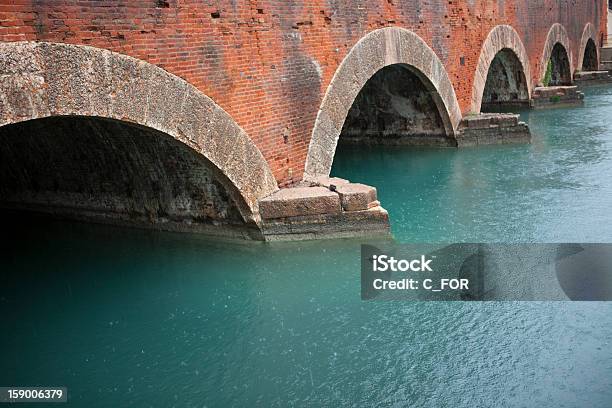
x,y
397,106
499,38
556,64
560,69
373,52
506,84
41,79
113,171
589,61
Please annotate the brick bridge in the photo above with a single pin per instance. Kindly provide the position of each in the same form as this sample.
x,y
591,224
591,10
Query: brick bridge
x,y
184,112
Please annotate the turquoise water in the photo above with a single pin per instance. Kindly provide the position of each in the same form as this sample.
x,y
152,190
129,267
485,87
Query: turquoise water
x,y
137,318
557,189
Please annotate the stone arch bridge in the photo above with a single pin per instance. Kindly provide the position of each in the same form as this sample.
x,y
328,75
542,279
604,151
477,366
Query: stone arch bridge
x,y
224,117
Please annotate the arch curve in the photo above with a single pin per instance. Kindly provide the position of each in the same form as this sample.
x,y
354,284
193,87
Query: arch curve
x,y
376,50
41,79
589,33
556,35
500,37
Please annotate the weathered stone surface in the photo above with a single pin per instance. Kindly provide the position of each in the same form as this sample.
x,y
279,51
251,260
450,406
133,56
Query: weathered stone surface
x,y
301,201
556,96
484,120
585,78
492,128
356,197
161,114
129,83
311,212
371,222
505,120
325,181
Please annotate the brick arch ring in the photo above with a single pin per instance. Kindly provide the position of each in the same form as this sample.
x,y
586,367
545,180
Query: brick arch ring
x,y
589,33
499,38
50,79
556,34
378,49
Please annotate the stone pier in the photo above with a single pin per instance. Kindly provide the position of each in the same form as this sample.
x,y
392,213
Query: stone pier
x,y
323,208
586,78
492,128
556,96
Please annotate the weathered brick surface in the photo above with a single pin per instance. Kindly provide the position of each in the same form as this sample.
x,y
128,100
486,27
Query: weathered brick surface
x,y
268,63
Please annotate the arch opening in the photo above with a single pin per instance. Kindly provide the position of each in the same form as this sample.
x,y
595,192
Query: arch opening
x,y
396,106
589,62
506,83
372,53
558,71
100,169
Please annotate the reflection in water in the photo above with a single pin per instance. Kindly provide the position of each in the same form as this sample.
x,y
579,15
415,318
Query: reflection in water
x,y
137,318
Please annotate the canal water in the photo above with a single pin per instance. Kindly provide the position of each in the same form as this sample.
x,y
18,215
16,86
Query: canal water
x,y
137,318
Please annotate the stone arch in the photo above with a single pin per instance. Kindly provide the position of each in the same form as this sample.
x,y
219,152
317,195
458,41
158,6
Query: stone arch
x,y
500,38
378,49
589,37
556,35
40,80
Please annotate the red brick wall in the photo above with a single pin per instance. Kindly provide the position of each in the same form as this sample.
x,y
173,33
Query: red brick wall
x,y
268,63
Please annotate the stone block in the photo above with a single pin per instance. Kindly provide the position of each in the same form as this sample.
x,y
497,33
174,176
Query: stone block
x,y
506,119
489,120
556,96
479,121
371,222
466,140
493,128
300,201
494,136
592,76
356,197
519,134
324,181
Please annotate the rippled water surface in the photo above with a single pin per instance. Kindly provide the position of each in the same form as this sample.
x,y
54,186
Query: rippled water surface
x,y
135,318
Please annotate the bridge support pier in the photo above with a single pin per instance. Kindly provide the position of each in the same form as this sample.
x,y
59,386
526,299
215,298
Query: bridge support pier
x,y
492,128
556,96
323,208
586,78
